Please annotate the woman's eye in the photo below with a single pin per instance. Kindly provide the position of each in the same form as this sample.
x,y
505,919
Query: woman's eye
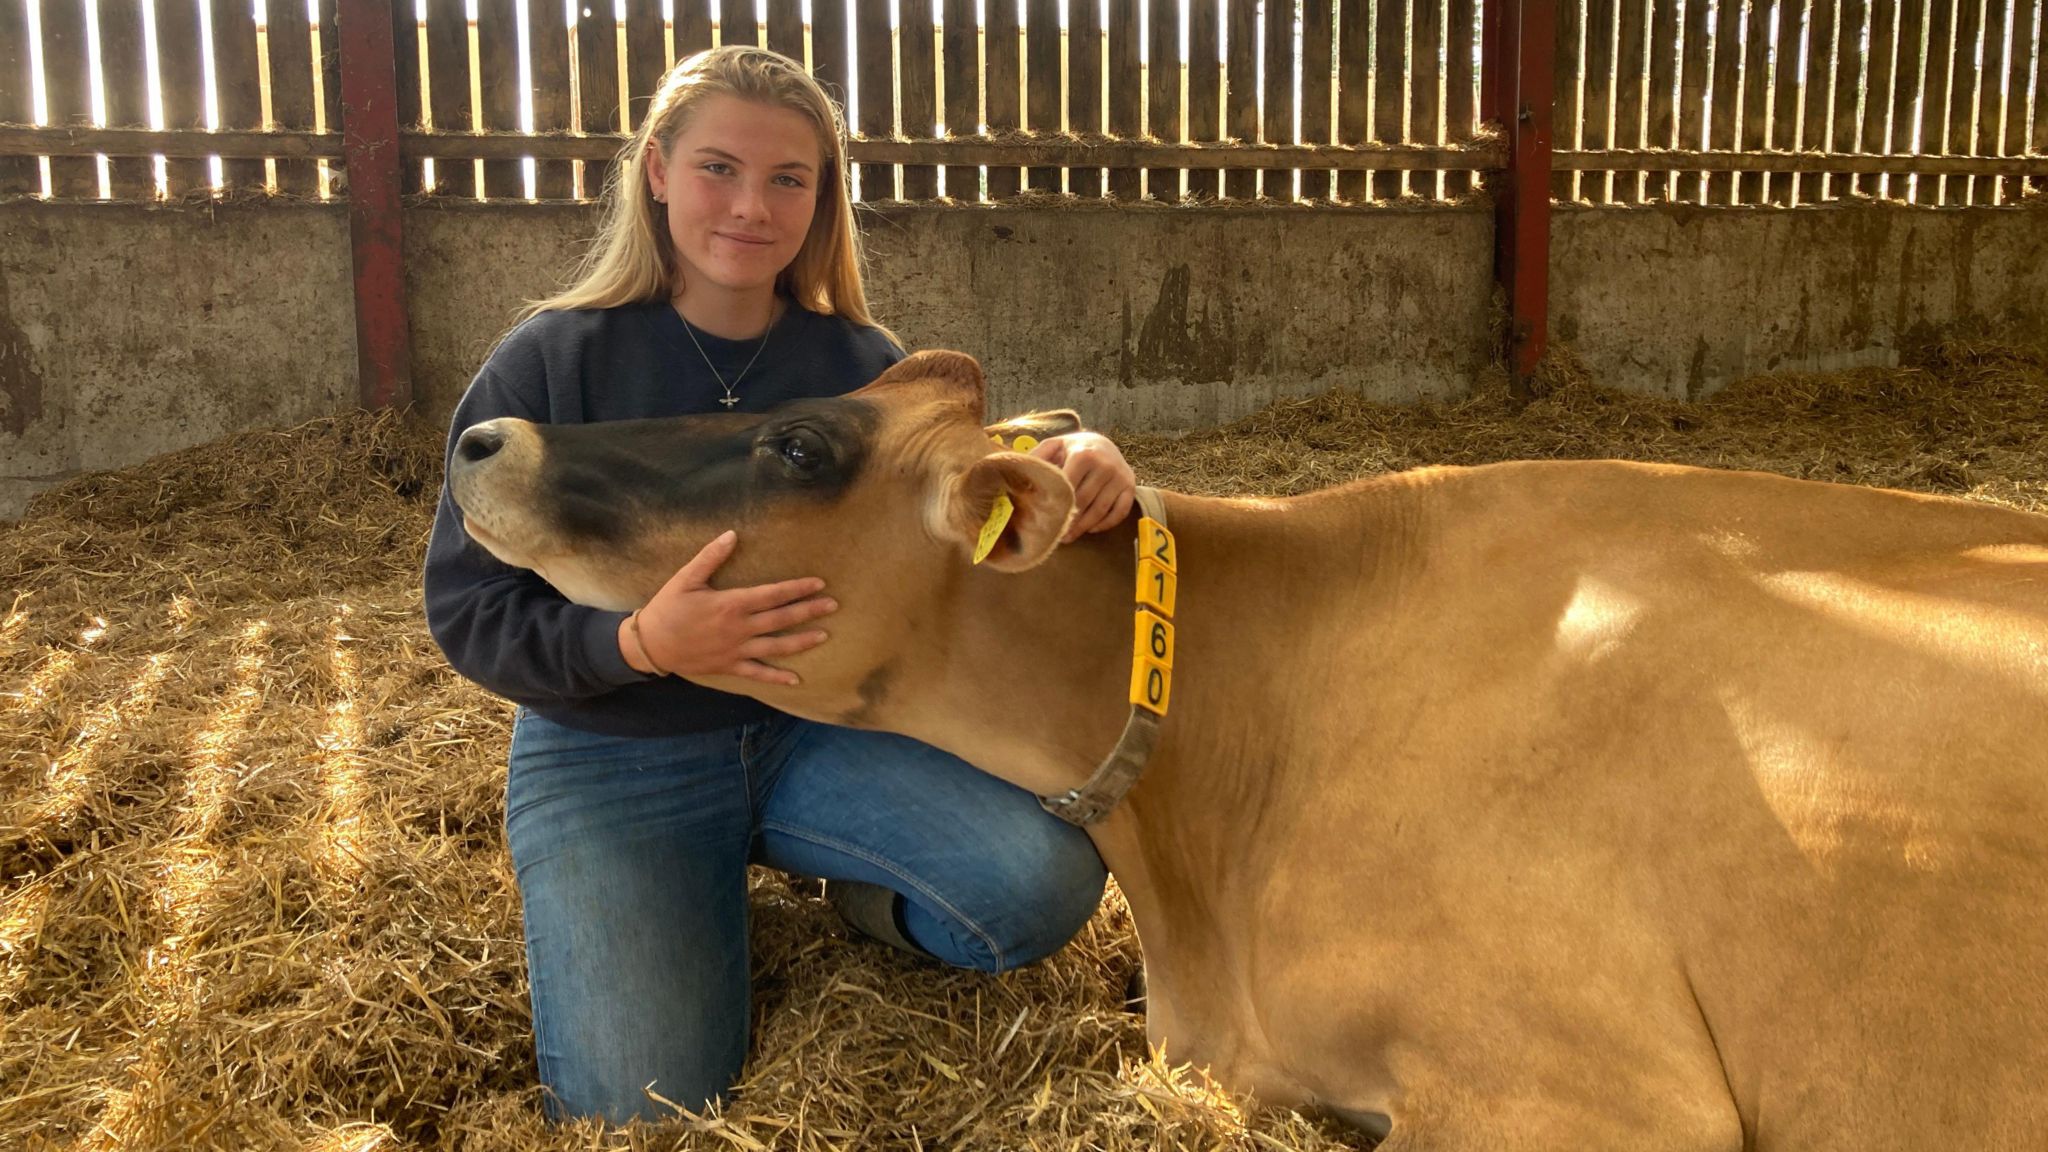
x,y
788,181
718,168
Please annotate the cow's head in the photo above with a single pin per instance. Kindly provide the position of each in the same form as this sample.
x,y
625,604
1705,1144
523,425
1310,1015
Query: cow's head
x,y
884,493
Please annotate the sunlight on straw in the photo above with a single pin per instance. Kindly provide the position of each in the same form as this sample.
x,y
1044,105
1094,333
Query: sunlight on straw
x,y
37,692
357,1137
168,986
72,776
21,921
10,628
341,768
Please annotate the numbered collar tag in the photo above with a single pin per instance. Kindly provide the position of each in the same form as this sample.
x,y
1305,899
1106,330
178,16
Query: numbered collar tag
x,y
992,529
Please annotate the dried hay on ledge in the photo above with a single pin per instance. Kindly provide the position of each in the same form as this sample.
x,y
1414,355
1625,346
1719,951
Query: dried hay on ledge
x,y
253,888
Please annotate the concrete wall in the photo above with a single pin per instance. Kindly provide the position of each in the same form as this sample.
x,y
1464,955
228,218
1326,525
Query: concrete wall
x,y
1681,301
126,330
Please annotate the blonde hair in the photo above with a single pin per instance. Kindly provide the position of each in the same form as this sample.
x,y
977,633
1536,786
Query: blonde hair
x,y
633,260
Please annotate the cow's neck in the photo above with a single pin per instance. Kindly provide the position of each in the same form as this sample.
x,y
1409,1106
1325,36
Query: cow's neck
x,y
1036,690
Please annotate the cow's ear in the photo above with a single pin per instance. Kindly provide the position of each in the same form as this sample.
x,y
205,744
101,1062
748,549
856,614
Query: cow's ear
x,y
1007,511
1037,425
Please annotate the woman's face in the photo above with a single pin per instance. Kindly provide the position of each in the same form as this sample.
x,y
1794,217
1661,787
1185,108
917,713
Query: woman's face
x,y
741,184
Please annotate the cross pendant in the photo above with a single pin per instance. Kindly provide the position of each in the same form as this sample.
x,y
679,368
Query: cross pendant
x,y
728,401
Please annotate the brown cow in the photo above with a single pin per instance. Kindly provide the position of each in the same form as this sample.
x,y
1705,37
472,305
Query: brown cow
x,y
1537,805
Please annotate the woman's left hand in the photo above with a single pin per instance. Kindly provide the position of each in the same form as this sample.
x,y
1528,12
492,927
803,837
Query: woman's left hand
x,y
1104,484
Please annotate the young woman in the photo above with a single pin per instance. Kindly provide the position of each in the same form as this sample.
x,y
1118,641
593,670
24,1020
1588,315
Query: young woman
x,y
726,277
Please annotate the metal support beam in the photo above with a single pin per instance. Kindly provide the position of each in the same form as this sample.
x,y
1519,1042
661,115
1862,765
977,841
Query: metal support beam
x,y
1516,86
369,129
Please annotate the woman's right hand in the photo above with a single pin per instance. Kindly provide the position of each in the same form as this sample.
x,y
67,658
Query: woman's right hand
x,y
692,629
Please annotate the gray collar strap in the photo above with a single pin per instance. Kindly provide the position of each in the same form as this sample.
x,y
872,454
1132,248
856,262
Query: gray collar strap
x,y
1151,674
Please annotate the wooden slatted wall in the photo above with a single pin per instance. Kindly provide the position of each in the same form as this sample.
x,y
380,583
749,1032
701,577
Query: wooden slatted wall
x,y
1643,88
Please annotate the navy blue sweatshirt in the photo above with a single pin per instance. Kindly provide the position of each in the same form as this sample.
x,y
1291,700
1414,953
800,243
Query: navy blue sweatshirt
x,y
509,630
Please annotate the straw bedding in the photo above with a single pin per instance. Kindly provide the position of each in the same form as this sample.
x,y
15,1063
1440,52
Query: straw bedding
x,y
253,885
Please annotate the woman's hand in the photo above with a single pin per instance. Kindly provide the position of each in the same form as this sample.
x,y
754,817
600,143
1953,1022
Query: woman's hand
x,y
1104,484
693,629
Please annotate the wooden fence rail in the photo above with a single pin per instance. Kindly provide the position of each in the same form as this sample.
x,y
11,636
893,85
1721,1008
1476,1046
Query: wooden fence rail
x,y
1783,102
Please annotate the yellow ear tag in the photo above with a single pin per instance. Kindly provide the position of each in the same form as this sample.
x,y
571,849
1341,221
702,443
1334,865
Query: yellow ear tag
x,y
998,519
1024,443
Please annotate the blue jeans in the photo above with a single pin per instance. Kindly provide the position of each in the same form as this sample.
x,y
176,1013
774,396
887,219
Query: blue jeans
x,y
632,860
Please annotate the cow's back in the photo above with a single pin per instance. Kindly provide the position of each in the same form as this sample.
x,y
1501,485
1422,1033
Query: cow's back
x,y
1769,754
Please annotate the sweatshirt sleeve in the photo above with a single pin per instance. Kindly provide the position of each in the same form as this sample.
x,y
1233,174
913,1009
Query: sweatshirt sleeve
x,y
503,627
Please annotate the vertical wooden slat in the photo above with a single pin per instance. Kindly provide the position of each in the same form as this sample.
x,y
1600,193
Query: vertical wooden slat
x,y
1425,74
290,35
647,49
1692,93
497,62
1756,79
448,89
180,55
828,46
1785,94
1084,85
597,78
1390,50
405,60
597,85
124,60
2026,43
1852,72
692,34
737,22
1817,127
2000,24
1459,119
1663,110
1205,90
786,28
963,93
1631,95
328,61
1316,18
1882,66
548,39
1726,94
1354,88
19,175
1125,96
1935,71
1004,109
1602,25
921,93
1568,67
237,82
1042,82
1282,82
67,88
2040,92
1960,137
876,84
1162,107
1899,117
1241,87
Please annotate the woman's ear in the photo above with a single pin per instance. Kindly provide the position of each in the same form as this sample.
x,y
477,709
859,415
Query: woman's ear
x,y
1006,511
657,172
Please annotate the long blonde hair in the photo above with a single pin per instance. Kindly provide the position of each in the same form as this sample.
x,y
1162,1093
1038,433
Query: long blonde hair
x,y
633,260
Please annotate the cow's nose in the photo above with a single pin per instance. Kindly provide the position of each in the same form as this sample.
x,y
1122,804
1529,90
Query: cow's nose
x,y
479,443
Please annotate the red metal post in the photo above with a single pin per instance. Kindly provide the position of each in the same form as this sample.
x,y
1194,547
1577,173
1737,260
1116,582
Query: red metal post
x,y
369,127
1516,88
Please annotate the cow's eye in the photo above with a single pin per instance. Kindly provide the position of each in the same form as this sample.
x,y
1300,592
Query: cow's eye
x,y
802,452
